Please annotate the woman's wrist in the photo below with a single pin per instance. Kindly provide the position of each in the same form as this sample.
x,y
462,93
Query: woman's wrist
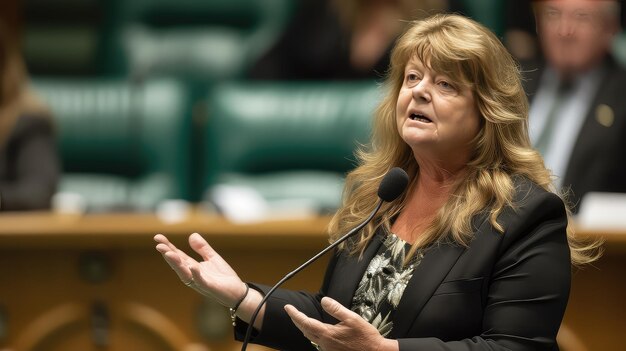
x,y
233,310
246,291
388,345
248,306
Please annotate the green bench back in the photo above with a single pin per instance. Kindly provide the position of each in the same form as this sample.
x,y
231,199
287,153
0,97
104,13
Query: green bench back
x,y
122,145
287,139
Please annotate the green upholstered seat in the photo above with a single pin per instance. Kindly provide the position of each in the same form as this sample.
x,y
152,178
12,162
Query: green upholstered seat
x,y
195,39
123,146
287,140
188,39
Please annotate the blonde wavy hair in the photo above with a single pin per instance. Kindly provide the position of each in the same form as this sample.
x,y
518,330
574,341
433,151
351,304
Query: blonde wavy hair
x,y
469,54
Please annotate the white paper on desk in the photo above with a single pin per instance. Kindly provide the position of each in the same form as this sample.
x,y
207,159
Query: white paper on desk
x,y
239,204
172,211
602,211
242,204
69,203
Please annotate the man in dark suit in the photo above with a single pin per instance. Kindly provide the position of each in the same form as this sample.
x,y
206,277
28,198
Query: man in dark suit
x,y
578,111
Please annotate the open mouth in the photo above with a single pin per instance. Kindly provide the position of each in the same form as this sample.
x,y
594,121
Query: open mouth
x,y
419,117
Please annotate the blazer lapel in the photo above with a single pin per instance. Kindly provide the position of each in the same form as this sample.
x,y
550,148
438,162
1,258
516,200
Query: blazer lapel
x,y
351,274
428,275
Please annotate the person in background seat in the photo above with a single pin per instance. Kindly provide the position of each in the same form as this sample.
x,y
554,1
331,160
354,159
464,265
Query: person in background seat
x,y
29,162
578,111
340,39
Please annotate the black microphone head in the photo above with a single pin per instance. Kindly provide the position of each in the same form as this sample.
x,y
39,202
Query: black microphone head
x,y
393,184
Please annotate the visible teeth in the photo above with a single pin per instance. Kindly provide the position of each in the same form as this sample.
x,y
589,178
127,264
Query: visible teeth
x,y
419,117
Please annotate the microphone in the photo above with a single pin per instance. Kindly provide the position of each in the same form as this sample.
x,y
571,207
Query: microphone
x,y
392,185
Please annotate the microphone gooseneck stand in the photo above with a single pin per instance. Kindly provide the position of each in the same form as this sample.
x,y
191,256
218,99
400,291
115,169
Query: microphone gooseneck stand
x,y
304,265
392,185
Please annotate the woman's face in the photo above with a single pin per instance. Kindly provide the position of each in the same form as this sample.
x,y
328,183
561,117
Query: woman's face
x,y
436,116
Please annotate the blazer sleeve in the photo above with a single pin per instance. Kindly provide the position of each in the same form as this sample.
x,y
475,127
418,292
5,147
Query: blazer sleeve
x,y
529,286
278,330
525,300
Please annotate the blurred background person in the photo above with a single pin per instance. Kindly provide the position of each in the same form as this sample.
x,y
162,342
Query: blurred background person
x,y
520,35
340,39
520,29
29,164
578,111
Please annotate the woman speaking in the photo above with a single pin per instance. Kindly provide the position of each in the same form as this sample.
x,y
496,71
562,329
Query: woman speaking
x,y
475,255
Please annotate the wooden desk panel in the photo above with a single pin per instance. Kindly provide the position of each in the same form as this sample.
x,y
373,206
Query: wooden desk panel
x,y
596,311
71,283
76,283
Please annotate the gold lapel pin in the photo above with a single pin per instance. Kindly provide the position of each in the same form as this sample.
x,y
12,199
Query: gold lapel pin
x,y
605,115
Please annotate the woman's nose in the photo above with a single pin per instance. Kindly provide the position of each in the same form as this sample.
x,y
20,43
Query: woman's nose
x,y
421,91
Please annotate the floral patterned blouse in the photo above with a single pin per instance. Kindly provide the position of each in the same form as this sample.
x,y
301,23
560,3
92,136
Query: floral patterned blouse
x,y
378,294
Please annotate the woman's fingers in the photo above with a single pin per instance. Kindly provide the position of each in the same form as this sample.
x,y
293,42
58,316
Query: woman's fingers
x,y
162,248
200,283
162,239
166,246
175,258
337,310
164,243
196,273
310,327
211,276
180,267
199,245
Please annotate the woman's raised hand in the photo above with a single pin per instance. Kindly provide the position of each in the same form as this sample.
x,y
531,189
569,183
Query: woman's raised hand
x,y
212,277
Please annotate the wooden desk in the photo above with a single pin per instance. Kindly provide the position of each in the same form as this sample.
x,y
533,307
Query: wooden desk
x,y
596,312
80,282
96,282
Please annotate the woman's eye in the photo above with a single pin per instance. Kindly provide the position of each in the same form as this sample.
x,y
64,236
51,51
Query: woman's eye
x,y
411,77
445,85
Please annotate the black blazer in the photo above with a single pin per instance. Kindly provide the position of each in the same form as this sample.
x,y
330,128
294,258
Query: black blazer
x,y
597,162
502,292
